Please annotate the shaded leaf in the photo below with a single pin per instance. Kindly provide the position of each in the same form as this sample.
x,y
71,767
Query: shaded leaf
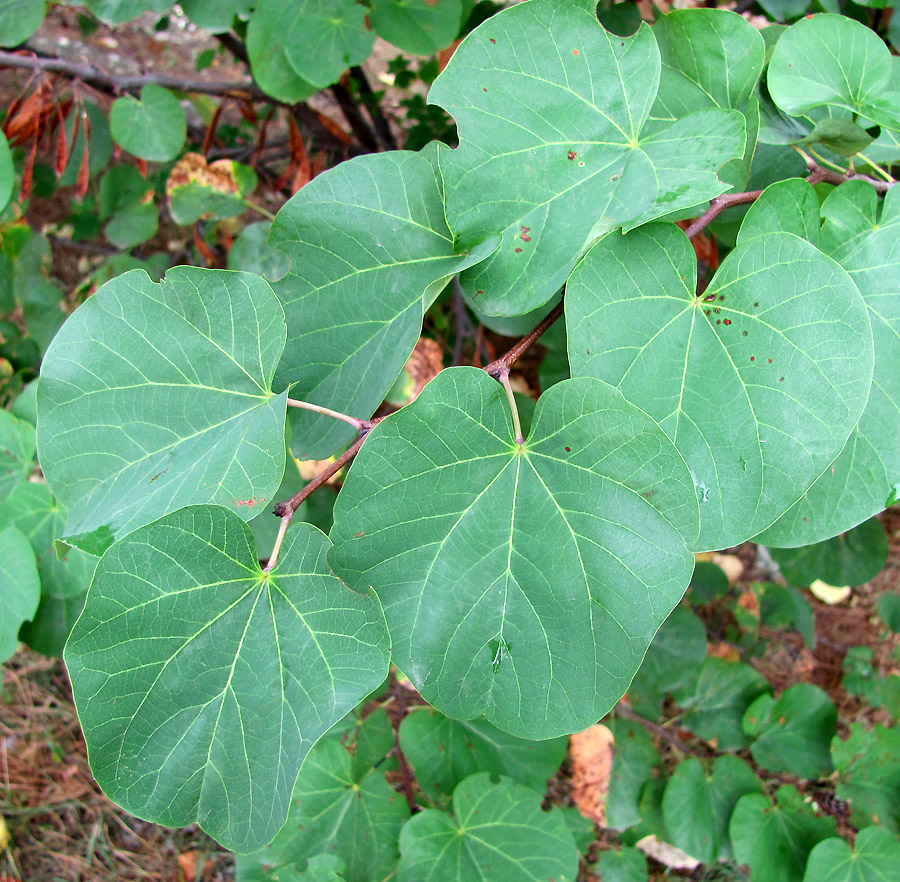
x,y
16,452
231,674
252,253
7,170
20,588
758,381
634,759
419,27
497,539
157,396
499,832
556,147
623,865
867,763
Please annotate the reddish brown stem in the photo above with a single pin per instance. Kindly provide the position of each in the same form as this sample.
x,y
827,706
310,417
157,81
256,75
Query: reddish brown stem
x,y
507,361
717,206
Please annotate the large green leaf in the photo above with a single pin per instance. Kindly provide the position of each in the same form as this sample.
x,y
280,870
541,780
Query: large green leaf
x,y
201,682
874,858
867,763
153,397
420,27
759,380
16,452
793,732
370,249
153,127
775,840
521,582
322,38
335,811
862,480
835,61
444,751
556,147
716,700
20,588
697,805
268,58
696,46
499,832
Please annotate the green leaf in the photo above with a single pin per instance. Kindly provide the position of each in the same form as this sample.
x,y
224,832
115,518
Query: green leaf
x,y
697,806
419,27
860,678
781,606
830,60
841,136
199,191
19,19
230,674
132,225
32,510
556,147
322,38
634,759
479,543
715,703
49,630
677,651
215,17
99,143
20,588
16,452
499,832
782,10
252,253
444,751
268,59
696,46
851,558
708,582
153,397
116,12
889,610
758,396
858,483
868,774
370,250
7,170
875,856
775,840
153,127
623,865
793,732
789,206
335,812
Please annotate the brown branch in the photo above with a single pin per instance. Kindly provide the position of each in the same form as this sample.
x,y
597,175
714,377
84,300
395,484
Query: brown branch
x,y
627,713
95,76
506,361
717,206
818,175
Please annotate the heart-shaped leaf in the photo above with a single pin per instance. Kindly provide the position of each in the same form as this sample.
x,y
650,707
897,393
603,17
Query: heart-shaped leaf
x,y
334,811
231,675
874,858
322,38
20,588
444,751
499,832
419,27
370,249
793,732
697,806
153,397
759,380
268,59
153,127
479,543
556,147
861,481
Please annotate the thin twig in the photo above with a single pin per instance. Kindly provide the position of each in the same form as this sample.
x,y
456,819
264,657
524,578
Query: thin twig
x,y
717,206
514,354
361,129
373,106
627,713
327,411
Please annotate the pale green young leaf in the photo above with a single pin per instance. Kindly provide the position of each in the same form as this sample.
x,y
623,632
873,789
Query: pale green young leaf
x,y
322,38
556,148
759,381
697,805
16,452
201,682
443,751
20,588
861,481
419,27
498,832
793,732
775,840
152,127
369,249
477,545
156,396
334,811
874,858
